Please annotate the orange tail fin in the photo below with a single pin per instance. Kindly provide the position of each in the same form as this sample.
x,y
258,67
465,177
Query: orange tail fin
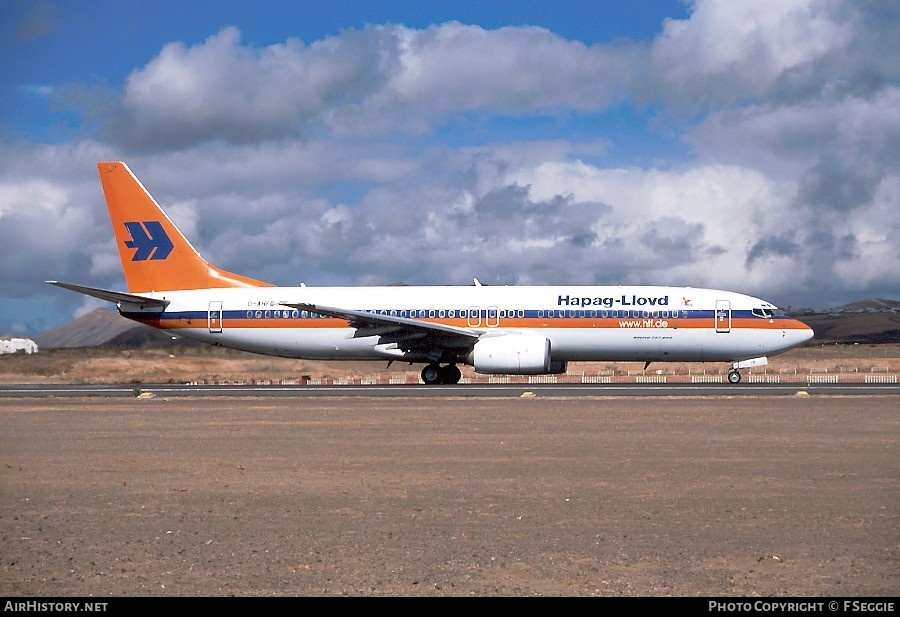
x,y
155,255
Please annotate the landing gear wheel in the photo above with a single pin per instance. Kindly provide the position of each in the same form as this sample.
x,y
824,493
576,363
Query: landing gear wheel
x,y
450,374
434,374
431,374
734,376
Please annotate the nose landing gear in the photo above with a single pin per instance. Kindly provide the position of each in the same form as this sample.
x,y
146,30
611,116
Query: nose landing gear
x,y
734,375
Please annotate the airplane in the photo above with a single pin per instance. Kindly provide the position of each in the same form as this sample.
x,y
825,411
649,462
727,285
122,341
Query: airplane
x,y
512,330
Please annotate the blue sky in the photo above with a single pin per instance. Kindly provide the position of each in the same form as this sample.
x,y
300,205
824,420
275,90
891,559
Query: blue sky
x,y
747,146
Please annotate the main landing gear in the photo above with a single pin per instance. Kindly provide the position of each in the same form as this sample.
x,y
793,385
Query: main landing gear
x,y
434,374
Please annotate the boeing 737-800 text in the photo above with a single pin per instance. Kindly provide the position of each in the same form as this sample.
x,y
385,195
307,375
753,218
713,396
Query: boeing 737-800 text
x,y
523,330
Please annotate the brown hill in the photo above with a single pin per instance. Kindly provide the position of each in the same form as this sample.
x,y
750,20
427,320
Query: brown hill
x,y
870,328
874,304
90,330
871,321
106,328
145,337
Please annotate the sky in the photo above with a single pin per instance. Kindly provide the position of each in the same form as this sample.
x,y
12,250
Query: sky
x,y
746,146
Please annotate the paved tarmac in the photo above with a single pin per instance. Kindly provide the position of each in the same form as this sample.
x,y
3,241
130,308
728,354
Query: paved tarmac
x,y
577,390
726,496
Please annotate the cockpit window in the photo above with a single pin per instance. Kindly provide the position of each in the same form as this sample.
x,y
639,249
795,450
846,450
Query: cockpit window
x,y
767,313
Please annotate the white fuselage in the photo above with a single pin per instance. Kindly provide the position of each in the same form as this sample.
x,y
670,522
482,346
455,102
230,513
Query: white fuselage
x,y
623,323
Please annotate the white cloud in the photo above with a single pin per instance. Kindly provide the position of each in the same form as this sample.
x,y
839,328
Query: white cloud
x,y
455,67
876,230
673,226
785,140
372,80
221,88
728,51
26,197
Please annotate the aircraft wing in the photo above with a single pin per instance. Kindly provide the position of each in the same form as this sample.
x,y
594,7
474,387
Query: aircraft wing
x,y
117,297
410,333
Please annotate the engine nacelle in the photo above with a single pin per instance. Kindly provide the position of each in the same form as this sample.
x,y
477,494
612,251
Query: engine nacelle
x,y
515,354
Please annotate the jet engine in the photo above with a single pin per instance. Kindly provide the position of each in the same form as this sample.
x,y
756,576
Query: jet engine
x,y
515,354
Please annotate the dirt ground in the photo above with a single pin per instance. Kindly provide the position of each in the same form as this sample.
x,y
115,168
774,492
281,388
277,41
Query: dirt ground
x,y
790,496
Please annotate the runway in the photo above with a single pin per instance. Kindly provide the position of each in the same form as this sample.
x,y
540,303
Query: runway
x,y
422,491
459,390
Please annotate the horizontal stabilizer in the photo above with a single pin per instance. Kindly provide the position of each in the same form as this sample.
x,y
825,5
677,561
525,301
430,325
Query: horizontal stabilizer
x,y
114,296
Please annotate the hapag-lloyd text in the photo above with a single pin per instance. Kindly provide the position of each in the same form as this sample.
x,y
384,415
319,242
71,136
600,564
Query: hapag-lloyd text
x,y
610,301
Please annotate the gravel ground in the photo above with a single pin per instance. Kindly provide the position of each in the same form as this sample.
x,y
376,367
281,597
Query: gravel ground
x,y
728,496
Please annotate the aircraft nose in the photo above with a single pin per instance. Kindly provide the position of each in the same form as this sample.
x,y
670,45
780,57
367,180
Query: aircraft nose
x,y
803,333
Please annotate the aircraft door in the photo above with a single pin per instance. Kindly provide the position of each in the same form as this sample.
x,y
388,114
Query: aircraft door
x,y
723,316
493,317
474,316
215,316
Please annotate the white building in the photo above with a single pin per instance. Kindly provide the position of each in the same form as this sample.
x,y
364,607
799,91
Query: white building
x,y
18,344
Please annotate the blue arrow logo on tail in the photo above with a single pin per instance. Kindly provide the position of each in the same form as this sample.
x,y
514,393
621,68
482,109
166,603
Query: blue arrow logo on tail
x,y
150,240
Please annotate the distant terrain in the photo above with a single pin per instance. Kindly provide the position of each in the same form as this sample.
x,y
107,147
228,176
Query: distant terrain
x,y
870,321
102,328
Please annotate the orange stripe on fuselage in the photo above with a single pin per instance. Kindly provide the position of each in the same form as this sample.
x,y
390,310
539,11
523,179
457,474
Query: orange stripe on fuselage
x,y
505,323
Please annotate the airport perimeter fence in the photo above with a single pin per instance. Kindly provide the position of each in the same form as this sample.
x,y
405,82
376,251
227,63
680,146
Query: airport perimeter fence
x,y
876,375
